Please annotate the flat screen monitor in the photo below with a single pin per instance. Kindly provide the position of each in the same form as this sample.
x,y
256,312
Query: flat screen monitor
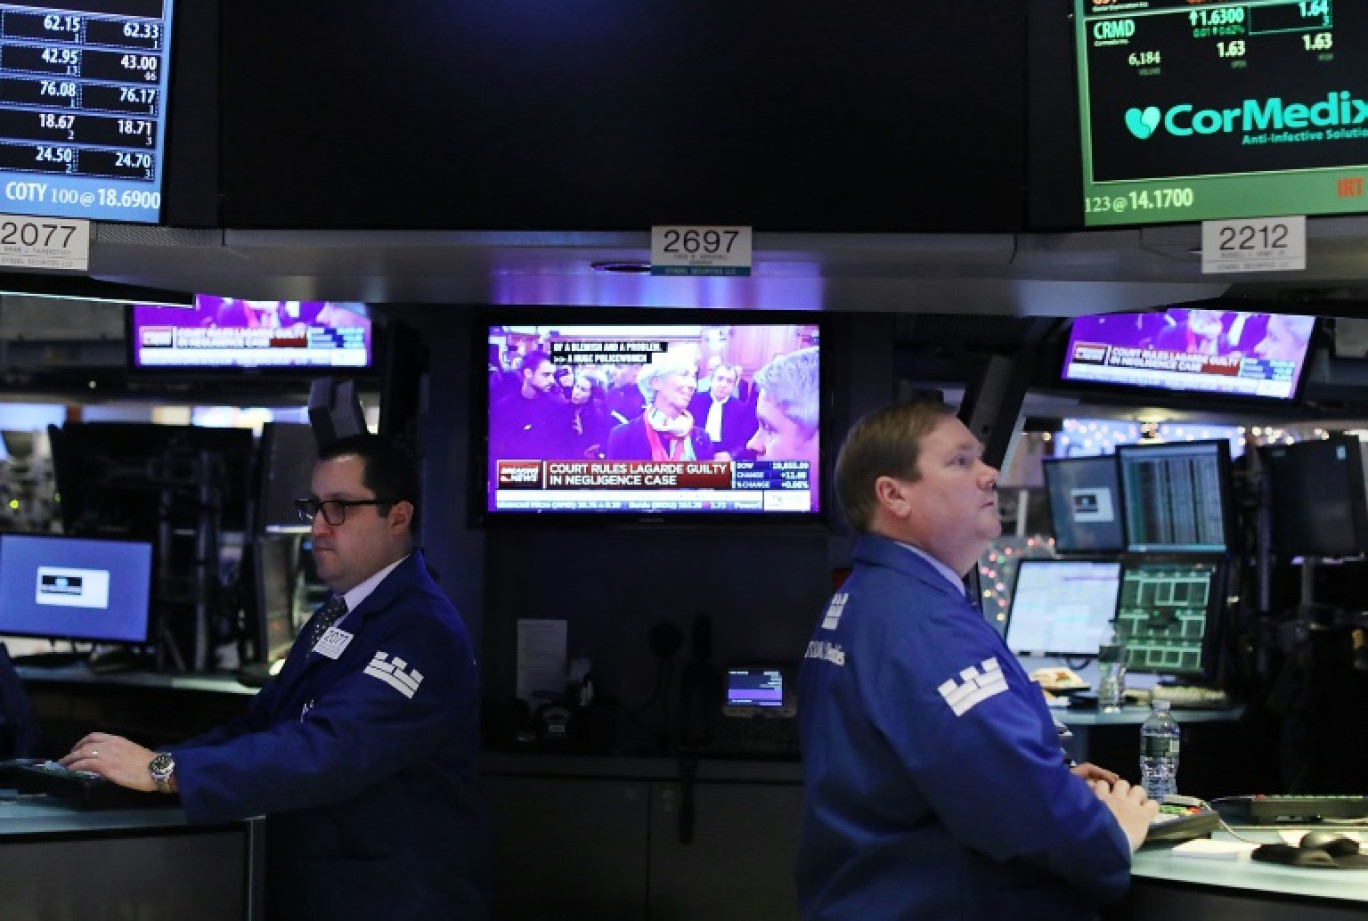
x,y
638,420
275,583
72,588
113,477
286,458
1320,505
1062,607
1168,614
1176,496
226,332
1085,503
83,117
1222,110
1202,349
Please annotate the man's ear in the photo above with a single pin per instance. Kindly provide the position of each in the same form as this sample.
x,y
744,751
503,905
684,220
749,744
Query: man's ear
x,y
401,514
891,494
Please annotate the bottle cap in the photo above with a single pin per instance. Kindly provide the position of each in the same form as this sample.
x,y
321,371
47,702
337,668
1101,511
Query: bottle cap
x,y
1160,704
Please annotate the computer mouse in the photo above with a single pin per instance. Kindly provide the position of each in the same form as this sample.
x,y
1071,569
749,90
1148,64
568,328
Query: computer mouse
x,y
1333,844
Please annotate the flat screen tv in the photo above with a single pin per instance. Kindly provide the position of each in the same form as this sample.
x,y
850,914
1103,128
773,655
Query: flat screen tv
x,y
1201,349
227,332
638,420
71,588
1221,110
85,112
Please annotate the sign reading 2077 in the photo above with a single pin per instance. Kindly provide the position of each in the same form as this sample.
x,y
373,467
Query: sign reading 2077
x,y
44,243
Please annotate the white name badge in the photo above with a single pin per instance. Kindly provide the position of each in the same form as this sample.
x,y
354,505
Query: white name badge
x,y
333,642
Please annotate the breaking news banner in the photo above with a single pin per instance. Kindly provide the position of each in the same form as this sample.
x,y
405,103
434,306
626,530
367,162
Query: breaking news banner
x,y
535,474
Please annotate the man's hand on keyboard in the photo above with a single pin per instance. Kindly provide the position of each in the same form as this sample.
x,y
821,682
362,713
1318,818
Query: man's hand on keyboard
x,y
114,758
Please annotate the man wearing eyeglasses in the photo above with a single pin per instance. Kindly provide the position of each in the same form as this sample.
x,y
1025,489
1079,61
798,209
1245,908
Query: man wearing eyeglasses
x,y
362,752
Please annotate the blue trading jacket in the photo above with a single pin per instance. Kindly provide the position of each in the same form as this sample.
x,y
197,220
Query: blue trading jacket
x,y
365,766
935,786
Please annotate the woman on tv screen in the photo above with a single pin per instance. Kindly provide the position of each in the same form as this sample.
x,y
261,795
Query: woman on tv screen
x,y
666,430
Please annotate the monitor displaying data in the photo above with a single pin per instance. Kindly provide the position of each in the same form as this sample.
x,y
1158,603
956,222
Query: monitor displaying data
x,y
1221,110
1062,607
83,89
1085,504
75,588
1166,614
1176,496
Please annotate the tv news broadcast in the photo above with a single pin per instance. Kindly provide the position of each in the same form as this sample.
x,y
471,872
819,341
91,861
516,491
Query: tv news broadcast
x,y
1194,349
227,332
654,418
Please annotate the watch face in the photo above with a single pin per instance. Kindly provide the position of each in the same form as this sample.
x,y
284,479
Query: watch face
x,y
162,766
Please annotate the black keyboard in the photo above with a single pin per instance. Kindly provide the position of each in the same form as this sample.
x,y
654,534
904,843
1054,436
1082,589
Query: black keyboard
x,y
1262,810
1182,823
82,789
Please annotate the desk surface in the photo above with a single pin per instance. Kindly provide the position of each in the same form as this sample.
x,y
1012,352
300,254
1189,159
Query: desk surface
x,y
1136,714
217,683
1248,875
43,815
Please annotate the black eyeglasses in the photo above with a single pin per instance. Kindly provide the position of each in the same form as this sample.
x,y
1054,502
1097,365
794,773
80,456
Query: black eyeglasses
x,y
334,510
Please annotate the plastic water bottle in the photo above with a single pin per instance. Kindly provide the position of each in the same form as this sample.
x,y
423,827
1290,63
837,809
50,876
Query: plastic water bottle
x,y
1159,746
1111,675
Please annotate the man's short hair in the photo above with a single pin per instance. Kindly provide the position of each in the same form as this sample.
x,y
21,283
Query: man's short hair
x,y
793,383
533,360
885,442
390,471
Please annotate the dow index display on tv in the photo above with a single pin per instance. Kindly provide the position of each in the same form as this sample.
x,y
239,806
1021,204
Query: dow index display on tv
x,y
1222,110
671,420
83,108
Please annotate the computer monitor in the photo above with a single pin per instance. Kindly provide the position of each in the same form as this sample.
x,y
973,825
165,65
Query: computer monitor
x,y
70,588
1168,614
1320,504
1085,503
275,580
1176,496
287,456
1062,607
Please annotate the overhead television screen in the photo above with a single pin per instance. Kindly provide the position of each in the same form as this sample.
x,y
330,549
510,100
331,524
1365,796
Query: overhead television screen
x,y
1221,110
1197,349
83,110
625,420
225,332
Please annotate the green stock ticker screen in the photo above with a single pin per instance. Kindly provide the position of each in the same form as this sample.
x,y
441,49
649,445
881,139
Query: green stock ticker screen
x,y
1198,110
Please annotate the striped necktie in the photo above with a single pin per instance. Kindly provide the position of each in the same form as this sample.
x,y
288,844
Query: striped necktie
x,y
325,617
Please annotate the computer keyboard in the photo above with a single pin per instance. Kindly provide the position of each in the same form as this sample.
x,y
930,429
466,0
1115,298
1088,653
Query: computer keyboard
x,y
757,735
1182,823
82,789
1263,810
1191,697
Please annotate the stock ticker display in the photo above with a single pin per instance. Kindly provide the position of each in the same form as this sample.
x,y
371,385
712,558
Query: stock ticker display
x,y
1207,110
83,90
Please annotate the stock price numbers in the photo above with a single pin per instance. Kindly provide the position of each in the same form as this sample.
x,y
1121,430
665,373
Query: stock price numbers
x,y
1144,58
1216,18
68,24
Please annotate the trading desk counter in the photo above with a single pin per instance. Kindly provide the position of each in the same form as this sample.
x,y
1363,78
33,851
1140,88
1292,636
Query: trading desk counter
x,y
1171,887
153,709
60,862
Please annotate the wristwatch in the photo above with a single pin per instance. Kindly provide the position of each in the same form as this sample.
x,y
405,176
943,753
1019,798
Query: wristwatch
x,y
162,768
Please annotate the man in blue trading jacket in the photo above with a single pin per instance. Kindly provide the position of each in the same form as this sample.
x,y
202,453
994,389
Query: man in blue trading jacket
x,y
362,752
935,786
